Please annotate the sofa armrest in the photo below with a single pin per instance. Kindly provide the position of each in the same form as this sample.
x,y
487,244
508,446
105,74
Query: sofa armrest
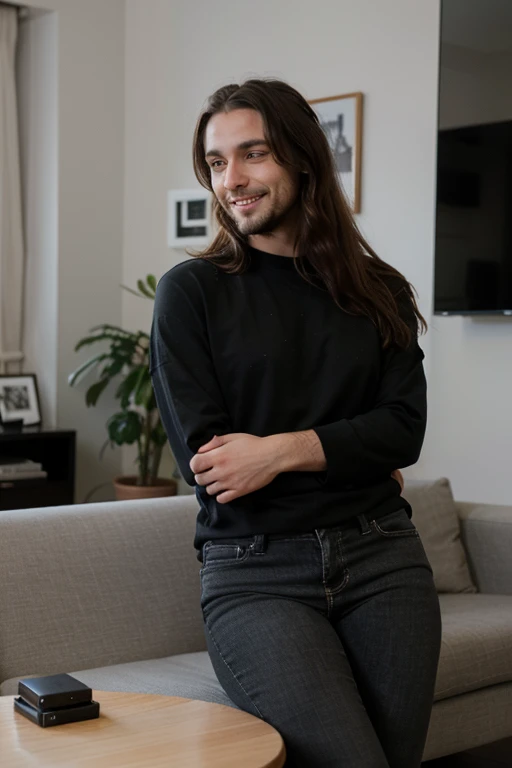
x,y
486,532
91,585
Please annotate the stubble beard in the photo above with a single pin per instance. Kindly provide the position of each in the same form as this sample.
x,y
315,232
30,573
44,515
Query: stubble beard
x,y
262,224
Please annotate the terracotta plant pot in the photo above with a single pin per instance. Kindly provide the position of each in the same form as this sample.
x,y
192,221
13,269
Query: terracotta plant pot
x,y
126,488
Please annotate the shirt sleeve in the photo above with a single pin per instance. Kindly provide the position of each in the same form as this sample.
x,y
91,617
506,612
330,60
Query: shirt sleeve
x,y
186,387
388,437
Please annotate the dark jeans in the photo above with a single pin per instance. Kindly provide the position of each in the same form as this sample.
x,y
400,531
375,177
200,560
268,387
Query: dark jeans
x,y
332,637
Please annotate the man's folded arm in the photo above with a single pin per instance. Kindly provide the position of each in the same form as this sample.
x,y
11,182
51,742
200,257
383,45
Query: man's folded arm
x,y
187,391
390,436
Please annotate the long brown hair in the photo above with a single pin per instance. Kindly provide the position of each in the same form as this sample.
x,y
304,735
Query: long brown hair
x,y
328,240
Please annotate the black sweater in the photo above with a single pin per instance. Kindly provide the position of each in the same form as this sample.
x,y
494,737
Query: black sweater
x,y
264,353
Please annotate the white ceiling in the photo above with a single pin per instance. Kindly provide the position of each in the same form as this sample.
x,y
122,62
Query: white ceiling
x,y
481,25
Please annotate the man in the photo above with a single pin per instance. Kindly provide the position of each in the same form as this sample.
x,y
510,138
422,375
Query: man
x,y
289,379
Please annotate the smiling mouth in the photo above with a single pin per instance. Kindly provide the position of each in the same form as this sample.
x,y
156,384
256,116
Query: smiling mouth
x,y
247,202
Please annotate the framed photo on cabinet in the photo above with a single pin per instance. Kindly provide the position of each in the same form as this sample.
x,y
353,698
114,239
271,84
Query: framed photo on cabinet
x,y
19,399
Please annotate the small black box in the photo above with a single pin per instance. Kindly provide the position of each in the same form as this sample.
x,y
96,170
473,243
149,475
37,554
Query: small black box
x,y
54,692
72,714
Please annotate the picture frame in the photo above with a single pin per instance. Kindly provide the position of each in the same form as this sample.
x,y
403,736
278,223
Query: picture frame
x,y
341,118
188,217
19,399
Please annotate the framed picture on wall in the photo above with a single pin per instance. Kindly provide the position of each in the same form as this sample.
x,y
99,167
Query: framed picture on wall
x,y
188,217
341,118
19,399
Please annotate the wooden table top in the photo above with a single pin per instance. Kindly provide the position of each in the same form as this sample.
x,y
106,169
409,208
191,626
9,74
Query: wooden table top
x,y
137,731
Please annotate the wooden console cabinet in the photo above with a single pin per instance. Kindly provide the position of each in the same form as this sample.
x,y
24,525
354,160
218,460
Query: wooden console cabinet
x,y
55,450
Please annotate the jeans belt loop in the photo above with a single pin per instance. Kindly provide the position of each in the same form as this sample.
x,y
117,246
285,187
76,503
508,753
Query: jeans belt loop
x,y
259,545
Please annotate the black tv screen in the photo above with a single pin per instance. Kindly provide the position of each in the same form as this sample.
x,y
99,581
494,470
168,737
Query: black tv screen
x,y
473,243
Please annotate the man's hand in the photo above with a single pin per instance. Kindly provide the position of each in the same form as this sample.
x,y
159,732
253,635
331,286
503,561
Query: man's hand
x,y
239,463
234,465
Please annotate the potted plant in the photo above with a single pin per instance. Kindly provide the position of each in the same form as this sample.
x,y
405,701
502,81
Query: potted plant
x,y
138,421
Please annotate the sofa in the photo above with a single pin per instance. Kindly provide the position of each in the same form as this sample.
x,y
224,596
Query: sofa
x,y
109,592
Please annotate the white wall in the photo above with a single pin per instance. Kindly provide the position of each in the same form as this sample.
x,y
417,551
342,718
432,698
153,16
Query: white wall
x,y
179,51
74,253
470,431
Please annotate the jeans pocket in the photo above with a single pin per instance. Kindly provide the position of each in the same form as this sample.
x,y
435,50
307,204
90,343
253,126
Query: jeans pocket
x,y
395,524
215,555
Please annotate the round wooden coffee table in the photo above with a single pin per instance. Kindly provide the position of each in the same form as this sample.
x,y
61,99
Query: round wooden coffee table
x,y
136,731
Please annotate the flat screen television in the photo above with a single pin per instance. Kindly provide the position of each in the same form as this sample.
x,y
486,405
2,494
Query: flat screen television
x,y
473,242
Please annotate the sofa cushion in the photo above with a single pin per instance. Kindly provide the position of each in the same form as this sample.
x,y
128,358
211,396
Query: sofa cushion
x,y
476,653
101,583
476,647
189,675
435,516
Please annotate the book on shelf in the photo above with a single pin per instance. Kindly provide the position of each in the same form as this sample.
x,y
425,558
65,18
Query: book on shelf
x,y
28,475
10,465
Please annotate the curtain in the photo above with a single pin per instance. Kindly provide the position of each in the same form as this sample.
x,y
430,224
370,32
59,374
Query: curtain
x,y
11,228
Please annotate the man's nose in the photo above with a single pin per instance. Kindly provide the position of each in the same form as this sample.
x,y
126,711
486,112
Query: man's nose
x,y
235,176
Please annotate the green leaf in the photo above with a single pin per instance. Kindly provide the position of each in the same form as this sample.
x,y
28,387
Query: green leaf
x,y
115,367
130,290
100,337
72,378
93,393
144,388
109,327
151,281
128,385
142,288
151,401
146,395
158,435
124,347
124,427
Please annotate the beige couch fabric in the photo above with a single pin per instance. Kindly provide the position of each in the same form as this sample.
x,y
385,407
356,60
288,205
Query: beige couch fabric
x,y
100,584
475,654
476,649
487,538
434,514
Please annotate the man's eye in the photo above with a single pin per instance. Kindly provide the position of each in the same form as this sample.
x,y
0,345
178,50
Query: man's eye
x,y
216,164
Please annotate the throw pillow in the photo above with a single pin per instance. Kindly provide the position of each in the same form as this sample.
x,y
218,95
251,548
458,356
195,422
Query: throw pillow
x,y
435,516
